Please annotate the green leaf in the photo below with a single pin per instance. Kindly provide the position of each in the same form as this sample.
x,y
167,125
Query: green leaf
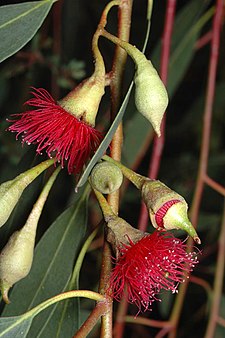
x,y
51,270
19,23
15,326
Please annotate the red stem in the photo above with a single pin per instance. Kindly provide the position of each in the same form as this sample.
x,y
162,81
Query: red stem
x,y
204,149
210,91
159,141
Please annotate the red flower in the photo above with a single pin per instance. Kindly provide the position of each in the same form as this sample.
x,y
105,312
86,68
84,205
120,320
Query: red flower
x,y
157,261
56,131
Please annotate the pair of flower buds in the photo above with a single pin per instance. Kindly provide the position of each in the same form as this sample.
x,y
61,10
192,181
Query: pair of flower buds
x,y
167,209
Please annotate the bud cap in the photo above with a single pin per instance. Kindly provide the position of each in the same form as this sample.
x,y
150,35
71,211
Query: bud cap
x,y
106,177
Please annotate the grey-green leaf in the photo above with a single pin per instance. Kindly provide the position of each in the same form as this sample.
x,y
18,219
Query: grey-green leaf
x,y
19,23
16,327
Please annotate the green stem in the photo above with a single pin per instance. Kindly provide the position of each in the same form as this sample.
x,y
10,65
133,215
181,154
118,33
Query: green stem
x,y
66,295
35,214
106,209
99,62
133,52
135,178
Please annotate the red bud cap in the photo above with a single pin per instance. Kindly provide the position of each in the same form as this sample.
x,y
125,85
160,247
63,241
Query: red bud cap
x,y
167,209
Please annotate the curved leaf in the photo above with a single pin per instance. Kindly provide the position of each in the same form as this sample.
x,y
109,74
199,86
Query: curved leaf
x,y
19,23
15,326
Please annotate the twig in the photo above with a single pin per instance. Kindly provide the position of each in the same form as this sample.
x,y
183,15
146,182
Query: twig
x,y
218,283
204,151
214,185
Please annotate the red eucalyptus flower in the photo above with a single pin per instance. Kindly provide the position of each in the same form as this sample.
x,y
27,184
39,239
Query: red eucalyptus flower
x,y
58,132
157,261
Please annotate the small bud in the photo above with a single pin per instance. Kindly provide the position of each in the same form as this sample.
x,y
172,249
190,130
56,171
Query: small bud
x,y
167,209
17,256
16,260
11,191
151,97
106,177
83,102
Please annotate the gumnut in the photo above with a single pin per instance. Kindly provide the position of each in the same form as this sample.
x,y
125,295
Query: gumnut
x,y
106,177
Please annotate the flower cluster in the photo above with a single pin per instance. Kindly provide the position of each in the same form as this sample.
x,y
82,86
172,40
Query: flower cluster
x,y
157,261
56,131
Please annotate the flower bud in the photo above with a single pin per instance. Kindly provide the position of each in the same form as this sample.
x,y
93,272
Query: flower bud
x,y
17,256
16,259
11,191
167,209
151,97
106,177
84,100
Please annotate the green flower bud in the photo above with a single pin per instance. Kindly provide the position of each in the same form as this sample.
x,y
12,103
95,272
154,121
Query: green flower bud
x,y
11,191
167,209
106,177
16,259
17,256
151,97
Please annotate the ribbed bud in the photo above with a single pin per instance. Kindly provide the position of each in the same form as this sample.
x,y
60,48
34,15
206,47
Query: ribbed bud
x,y
106,177
11,191
167,209
151,97
83,102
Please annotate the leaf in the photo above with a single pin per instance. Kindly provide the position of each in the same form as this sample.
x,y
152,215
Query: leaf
x,y
51,270
15,326
19,23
